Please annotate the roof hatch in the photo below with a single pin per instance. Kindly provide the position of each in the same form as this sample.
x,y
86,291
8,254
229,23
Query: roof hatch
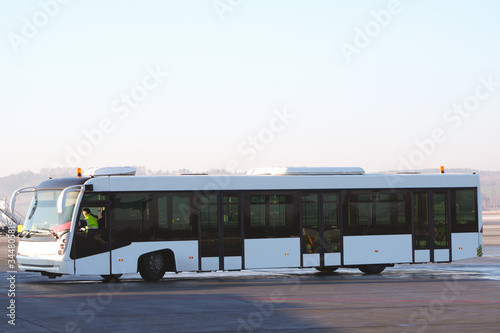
x,y
110,171
283,171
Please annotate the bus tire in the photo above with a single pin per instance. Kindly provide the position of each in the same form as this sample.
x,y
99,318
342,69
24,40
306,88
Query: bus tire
x,y
372,269
327,269
152,266
110,277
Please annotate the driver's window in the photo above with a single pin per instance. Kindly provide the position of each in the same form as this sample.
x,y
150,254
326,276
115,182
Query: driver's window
x,y
92,218
91,237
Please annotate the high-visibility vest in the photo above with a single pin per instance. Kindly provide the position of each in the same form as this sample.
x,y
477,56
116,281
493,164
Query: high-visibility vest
x,y
91,221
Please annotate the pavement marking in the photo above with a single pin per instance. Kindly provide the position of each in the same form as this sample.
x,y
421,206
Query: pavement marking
x,y
141,295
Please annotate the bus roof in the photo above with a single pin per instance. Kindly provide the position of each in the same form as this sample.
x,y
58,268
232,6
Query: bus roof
x,y
122,179
282,182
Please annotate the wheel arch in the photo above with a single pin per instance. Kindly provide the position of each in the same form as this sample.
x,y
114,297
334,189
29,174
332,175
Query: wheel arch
x,y
168,256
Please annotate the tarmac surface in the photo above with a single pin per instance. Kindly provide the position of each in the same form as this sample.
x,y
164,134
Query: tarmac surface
x,y
463,296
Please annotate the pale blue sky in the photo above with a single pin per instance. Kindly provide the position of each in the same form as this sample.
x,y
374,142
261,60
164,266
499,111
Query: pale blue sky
x,y
234,69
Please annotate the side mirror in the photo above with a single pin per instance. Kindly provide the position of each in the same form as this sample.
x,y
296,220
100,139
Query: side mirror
x,y
61,200
16,193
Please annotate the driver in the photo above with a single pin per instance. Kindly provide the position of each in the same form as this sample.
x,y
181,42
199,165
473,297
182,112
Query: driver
x,y
91,220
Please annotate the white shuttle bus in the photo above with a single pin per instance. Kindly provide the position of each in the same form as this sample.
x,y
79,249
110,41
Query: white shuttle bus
x,y
270,218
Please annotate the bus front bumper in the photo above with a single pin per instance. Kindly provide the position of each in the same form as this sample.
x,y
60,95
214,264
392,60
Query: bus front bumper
x,y
45,264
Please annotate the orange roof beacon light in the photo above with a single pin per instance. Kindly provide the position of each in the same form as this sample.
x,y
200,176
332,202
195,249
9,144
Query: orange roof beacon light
x,y
79,172
441,169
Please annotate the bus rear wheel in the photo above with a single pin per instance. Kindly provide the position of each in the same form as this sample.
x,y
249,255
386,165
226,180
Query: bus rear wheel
x,y
152,266
372,269
110,277
327,269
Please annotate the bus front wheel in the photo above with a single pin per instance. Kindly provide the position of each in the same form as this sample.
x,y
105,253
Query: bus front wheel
x,y
372,269
152,266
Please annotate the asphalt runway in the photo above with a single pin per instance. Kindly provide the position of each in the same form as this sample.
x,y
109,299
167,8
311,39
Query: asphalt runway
x,y
459,297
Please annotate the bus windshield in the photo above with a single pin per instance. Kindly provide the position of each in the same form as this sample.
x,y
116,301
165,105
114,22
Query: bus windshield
x,y
43,218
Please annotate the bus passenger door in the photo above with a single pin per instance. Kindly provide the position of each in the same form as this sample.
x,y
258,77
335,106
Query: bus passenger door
x,y
231,232
431,226
220,238
321,236
440,222
91,247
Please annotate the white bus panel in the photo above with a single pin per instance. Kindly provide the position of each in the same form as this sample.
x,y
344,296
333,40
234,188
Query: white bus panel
x,y
90,265
272,253
186,254
231,263
210,264
442,255
332,259
464,245
310,259
422,256
360,250
124,260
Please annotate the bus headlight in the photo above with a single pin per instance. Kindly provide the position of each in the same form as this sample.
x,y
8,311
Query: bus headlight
x,y
62,245
61,251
